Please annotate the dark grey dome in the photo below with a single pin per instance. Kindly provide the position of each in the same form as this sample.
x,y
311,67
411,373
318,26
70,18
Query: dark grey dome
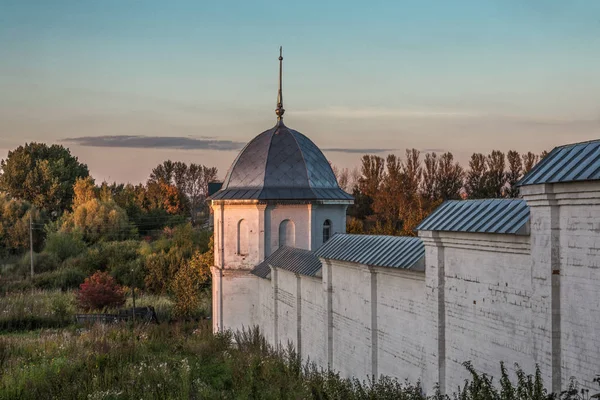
x,y
281,164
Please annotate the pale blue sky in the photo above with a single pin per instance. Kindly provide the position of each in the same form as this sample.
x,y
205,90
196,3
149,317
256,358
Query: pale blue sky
x,y
456,75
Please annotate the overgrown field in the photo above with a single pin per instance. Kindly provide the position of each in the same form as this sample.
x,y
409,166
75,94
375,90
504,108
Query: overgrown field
x,y
44,355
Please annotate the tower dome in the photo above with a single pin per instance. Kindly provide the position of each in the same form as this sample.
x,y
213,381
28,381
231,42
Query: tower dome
x,y
281,164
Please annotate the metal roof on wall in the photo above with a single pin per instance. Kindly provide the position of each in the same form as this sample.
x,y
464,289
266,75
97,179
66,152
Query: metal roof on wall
x,y
281,164
479,216
570,163
299,261
375,250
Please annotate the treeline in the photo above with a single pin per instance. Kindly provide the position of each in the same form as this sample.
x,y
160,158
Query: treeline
x,y
393,195
150,236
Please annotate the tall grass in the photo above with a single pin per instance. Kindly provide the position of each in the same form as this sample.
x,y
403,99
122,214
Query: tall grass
x,y
35,310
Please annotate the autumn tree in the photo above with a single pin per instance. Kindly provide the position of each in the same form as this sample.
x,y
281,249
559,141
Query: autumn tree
x,y
84,190
42,175
14,225
100,291
191,181
189,280
98,220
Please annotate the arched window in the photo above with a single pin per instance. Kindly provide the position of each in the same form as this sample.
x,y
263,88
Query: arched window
x,y
326,230
287,233
242,237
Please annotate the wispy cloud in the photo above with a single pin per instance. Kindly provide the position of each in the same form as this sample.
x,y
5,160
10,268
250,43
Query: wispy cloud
x,y
156,142
346,112
361,151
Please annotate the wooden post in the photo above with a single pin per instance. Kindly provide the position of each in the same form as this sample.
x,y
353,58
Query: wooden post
x,y
31,239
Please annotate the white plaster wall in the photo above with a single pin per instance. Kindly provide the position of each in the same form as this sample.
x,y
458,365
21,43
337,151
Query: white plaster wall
x,y
232,215
299,214
487,292
351,314
401,323
264,311
579,221
313,323
239,299
336,213
287,311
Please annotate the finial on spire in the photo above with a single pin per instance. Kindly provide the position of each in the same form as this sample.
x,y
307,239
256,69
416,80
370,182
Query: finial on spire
x,y
279,110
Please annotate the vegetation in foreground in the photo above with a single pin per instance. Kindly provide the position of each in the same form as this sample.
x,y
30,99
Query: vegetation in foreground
x,y
185,360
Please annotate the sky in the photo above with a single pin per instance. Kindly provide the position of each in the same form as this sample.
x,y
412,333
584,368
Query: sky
x,y
126,84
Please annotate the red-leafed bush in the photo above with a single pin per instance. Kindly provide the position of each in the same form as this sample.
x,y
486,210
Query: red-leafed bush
x,y
100,291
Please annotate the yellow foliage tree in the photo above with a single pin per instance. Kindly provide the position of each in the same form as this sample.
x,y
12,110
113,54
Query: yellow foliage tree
x,y
189,280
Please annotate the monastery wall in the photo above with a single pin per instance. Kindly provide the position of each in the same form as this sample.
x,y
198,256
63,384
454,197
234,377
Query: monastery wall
x,y
401,326
566,219
485,298
486,301
313,320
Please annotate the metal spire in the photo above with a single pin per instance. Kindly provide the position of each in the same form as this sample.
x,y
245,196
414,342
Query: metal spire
x,y
279,110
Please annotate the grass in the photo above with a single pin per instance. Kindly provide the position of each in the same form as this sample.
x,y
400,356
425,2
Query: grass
x,y
184,360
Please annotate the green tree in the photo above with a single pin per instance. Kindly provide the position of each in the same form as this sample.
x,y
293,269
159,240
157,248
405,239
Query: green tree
x,y
41,174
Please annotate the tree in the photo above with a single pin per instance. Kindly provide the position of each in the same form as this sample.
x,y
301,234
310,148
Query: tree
x,y
495,178
475,184
515,171
529,161
387,199
97,221
343,177
449,177
429,185
42,175
14,225
84,190
191,181
372,175
100,291
189,280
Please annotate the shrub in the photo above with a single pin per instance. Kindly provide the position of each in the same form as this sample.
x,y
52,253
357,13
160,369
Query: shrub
x,y
63,279
64,244
100,291
42,262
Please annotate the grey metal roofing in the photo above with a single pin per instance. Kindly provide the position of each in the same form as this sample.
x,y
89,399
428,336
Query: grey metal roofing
x,y
375,250
281,164
569,163
299,261
483,216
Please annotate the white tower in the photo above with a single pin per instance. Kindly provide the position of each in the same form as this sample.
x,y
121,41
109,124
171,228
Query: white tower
x,y
279,191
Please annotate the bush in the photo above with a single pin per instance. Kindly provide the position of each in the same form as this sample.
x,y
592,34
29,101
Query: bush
x,y
63,279
100,291
42,262
64,244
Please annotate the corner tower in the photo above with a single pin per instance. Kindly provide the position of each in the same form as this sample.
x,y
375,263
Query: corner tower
x,y
279,191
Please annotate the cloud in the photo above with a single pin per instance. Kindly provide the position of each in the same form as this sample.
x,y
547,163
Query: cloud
x,y
156,142
359,113
361,151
